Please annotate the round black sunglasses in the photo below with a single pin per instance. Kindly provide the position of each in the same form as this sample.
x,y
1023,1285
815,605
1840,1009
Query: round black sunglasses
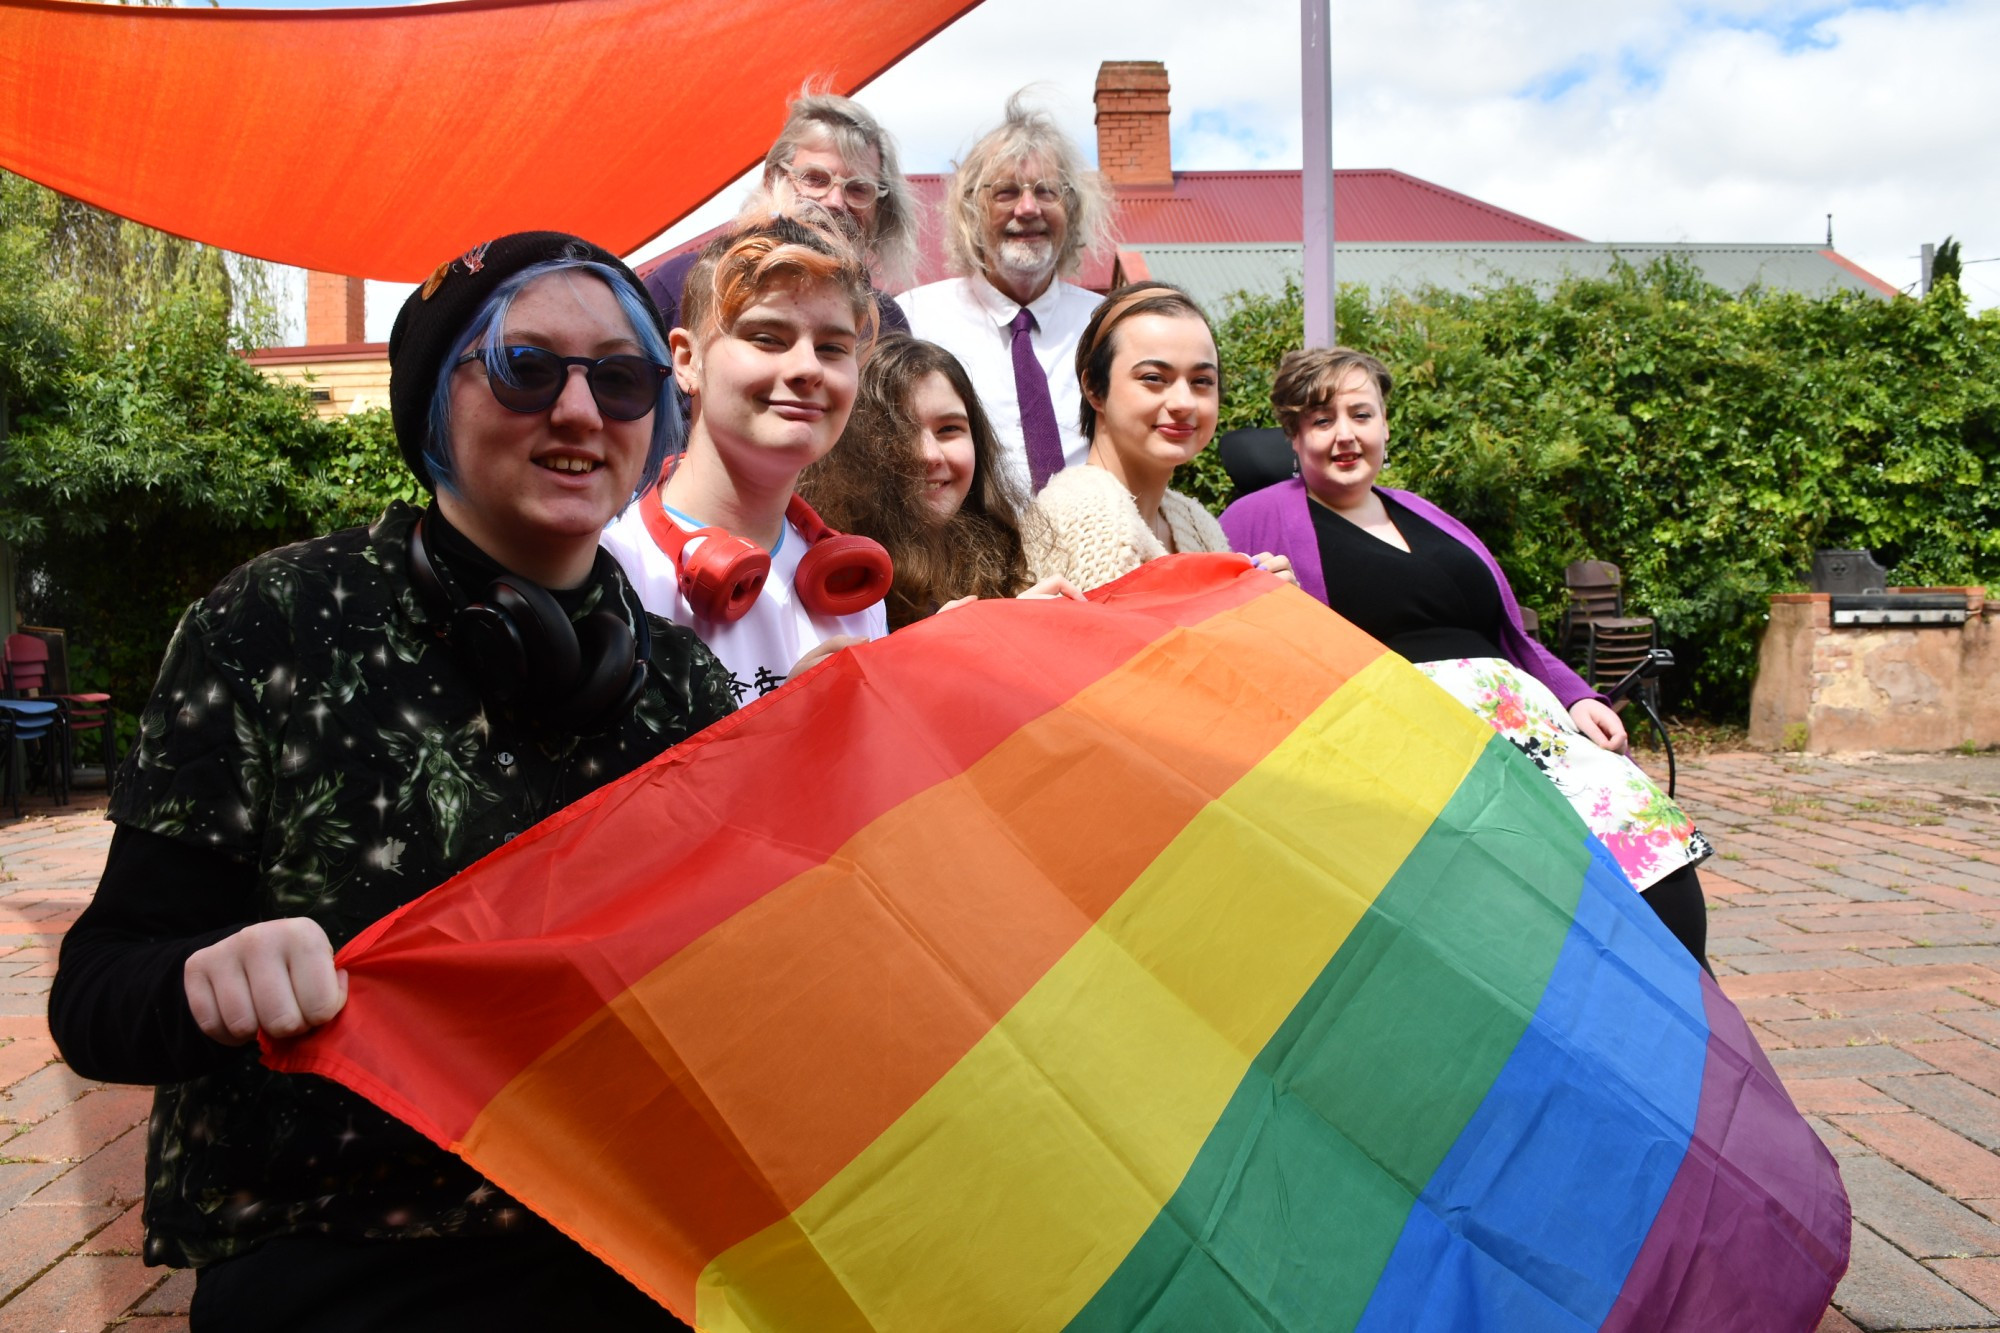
x,y
625,387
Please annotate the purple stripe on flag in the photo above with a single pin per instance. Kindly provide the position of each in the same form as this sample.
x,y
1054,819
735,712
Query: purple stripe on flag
x,y
1710,1262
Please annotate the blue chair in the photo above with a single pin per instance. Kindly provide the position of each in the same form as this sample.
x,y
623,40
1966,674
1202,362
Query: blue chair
x,y
35,722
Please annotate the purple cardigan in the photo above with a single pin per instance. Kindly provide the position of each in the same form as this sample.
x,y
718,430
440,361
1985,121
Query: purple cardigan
x,y
1277,520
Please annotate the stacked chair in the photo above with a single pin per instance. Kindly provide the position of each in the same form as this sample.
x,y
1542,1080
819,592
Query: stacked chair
x,y
1617,654
41,719
34,725
1598,638
38,667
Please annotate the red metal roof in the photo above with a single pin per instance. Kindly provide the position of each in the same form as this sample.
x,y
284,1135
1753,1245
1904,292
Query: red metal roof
x,y
1248,206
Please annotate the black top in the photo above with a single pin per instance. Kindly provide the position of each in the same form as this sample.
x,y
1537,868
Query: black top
x,y
1432,603
313,749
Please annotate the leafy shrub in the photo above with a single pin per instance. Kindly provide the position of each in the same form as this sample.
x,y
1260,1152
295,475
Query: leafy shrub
x,y
142,458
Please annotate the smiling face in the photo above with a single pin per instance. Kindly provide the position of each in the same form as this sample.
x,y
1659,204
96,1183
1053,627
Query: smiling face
x,y
1160,402
1024,235
944,443
534,489
772,391
1340,443
823,156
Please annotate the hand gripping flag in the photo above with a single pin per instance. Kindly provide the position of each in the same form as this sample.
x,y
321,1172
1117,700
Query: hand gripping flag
x,y
1183,960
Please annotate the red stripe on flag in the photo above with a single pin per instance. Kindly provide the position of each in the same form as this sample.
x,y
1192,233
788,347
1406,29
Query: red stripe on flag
x,y
572,873
747,1072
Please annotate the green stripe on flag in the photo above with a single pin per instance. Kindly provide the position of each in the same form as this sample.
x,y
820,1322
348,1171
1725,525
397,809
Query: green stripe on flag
x,y
1395,1045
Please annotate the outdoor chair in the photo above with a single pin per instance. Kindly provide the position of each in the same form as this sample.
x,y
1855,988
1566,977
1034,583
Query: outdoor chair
x,y
38,667
1597,637
35,724
1595,590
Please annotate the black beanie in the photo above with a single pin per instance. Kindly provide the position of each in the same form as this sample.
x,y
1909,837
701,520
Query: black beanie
x,y
437,314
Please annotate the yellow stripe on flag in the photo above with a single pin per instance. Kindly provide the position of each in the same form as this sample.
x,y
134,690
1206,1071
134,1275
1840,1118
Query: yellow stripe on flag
x,y
1019,1181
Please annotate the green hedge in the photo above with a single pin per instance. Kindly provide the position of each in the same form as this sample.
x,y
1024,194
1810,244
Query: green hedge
x,y
1705,443
136,479
141,457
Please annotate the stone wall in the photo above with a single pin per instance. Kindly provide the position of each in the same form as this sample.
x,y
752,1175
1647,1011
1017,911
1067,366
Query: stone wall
x,y
1875,687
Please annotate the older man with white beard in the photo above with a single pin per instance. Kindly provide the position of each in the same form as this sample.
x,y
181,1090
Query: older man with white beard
x,y
1020,213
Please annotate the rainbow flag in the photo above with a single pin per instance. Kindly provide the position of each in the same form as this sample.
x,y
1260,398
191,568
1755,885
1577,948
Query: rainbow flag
x,y
1183,960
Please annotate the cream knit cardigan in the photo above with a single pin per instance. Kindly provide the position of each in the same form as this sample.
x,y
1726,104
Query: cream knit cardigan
x,y
1090,532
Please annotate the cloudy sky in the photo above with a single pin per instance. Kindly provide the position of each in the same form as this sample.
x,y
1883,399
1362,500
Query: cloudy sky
x,y
1644,120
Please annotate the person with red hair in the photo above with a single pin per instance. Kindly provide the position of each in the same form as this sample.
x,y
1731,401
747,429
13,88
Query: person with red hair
x,y
775,320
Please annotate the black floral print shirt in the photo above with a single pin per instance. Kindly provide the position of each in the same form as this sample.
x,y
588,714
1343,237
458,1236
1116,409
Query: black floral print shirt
x,y
309,722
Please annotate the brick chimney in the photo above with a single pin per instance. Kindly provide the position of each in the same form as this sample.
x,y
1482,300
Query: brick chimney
x,y
335,309
1133,147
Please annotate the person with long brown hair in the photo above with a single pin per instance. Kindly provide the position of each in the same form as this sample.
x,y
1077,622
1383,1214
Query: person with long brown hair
x,y
1151,385
919,470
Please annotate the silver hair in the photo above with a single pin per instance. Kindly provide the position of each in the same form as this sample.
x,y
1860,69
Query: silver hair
x,y
822,118
1025,133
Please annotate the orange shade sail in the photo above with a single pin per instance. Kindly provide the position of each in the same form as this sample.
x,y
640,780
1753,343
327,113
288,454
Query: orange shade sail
x,y
378,142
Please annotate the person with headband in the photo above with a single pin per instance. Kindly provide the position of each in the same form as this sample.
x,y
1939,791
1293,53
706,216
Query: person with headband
x,y
1020,213
1416,578
834,166
918,470
775,320
342,725
1151,390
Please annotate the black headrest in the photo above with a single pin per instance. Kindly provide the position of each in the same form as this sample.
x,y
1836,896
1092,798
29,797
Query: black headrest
x,y
1256,457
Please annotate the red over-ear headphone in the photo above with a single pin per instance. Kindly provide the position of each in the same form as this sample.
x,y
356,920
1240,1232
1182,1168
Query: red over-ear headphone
x,y
722,575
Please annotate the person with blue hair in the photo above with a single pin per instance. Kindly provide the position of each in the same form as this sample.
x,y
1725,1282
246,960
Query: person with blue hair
x,y
339,727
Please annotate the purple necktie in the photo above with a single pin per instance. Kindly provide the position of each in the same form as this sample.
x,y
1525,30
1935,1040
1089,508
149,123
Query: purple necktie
x,y
1038,413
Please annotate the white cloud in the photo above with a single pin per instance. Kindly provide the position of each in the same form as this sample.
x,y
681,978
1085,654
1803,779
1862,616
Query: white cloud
x,y
1739,120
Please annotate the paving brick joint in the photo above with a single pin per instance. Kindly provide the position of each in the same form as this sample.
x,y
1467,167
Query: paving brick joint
x,y
1854,916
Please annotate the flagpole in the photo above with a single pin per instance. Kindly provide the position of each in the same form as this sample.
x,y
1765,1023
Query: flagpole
x,y
1316,180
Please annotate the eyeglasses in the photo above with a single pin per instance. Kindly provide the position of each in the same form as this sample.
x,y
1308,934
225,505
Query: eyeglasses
x,y
815,182
532,378
1008,193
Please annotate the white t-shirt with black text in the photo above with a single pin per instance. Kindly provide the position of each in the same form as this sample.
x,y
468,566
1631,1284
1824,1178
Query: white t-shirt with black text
x,y
760,648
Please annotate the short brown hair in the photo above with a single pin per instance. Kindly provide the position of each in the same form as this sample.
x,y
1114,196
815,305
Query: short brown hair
x,y
1094,351
1310,378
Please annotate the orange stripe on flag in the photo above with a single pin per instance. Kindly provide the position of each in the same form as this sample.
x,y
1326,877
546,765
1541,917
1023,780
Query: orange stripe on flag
x,y
816,1016
493,940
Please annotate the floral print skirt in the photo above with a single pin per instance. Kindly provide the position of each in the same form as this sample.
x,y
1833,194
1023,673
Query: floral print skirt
x,y
1647,833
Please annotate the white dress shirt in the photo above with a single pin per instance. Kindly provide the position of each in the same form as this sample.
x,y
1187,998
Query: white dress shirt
x,y
971,319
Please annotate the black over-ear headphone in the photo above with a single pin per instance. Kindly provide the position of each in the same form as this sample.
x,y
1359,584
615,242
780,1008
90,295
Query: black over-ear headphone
x,y
522,650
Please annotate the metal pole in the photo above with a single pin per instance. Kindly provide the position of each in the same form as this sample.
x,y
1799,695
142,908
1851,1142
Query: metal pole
x,y
1927,260
1316,179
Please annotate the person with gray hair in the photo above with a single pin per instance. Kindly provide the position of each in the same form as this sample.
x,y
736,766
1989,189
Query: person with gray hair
x,y
832,165
1020,214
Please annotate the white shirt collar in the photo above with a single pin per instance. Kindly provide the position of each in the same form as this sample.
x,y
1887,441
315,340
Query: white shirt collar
x,y
1001,308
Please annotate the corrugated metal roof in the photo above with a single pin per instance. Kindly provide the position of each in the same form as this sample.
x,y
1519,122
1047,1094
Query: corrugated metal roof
x,y
1212,273
1239,206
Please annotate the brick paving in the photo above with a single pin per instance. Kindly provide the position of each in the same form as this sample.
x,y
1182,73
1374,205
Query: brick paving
x,y
1855,918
